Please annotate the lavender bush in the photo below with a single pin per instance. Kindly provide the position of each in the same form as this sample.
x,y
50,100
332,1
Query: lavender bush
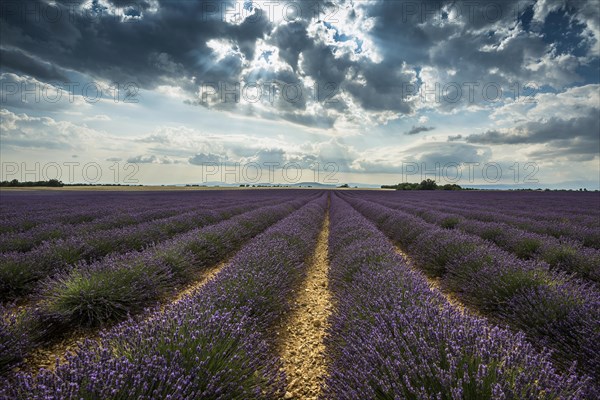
x,y
120,285
499,284
563,253
214,344
393,337
20,271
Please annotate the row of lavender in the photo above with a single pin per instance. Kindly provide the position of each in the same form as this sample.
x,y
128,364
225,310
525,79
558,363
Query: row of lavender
x,y
112,211
392,337
552,205
92,294
20,271
27,240
215,343
564,224
21,211
554,309
528,212
561,253
108,213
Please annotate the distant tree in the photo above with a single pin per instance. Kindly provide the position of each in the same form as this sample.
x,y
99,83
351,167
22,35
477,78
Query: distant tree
x,y
55,183
16,183
427,184
407,186
452,186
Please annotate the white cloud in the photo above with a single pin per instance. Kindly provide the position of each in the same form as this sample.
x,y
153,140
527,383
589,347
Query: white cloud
x,y
98,117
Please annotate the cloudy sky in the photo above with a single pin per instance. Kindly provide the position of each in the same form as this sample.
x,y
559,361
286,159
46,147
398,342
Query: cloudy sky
x,y
182,91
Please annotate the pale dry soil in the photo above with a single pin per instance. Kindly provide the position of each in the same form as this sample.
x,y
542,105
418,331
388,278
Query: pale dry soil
x,y
301,332
435,285
48,356
203,278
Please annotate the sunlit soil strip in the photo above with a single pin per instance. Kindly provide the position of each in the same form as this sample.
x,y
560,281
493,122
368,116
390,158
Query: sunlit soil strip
x,y
204,277
301,333
46,356
435,285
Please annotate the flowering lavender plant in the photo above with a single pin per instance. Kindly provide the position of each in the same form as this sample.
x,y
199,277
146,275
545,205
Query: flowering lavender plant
x,y
393,337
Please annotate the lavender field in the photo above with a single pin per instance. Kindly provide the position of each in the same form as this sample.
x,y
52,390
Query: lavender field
x,y
299,294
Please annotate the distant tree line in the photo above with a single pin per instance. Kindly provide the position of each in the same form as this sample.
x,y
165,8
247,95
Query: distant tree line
x,y
54,183
98,184
427,184
16,183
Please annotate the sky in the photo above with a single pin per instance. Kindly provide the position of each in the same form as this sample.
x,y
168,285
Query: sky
x,y
475,92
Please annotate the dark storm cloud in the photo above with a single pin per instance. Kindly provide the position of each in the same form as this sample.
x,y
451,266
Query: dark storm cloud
x,y
98,43
418,129
152,43
17,61
574,139
573,150
139,5
484,44
586,127
381,89
444,153
406,30
430,157
291,39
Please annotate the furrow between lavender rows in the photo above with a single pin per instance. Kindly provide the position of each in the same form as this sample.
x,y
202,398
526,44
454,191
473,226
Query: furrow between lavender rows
x,y
301,331
108,290
555,310
215,343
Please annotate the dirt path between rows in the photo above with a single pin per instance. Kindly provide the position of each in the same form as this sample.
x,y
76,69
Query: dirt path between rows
x,y
435,285
301,333
46,356
204,277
